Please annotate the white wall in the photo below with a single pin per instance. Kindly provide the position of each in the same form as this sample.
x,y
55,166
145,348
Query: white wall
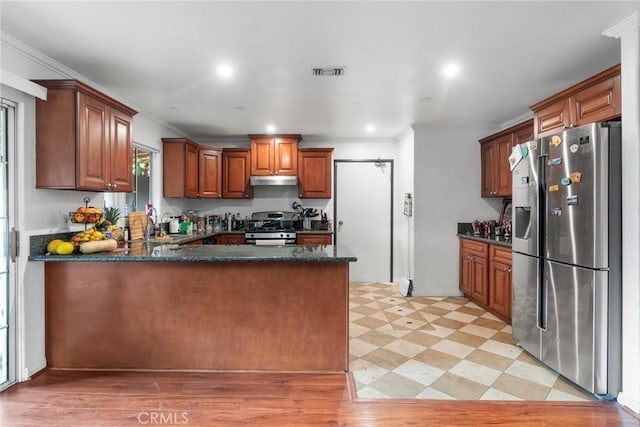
x,y
628,31
404,225
41,211
447,191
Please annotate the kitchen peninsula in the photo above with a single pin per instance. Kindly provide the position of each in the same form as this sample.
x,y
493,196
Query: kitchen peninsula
x,y
204,307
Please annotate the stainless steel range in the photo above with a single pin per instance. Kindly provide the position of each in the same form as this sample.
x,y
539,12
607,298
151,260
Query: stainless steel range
x,y
274,228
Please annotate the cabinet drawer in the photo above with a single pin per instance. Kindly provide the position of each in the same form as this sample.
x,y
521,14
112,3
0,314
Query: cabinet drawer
x,y
314,239
476,248
500,254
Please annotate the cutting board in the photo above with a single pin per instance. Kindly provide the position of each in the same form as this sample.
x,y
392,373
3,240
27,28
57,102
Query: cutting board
x,y
137,225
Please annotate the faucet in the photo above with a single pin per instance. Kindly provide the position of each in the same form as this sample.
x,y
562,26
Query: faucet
x,y
152,219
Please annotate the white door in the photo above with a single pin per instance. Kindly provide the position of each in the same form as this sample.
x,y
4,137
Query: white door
x,y
363,217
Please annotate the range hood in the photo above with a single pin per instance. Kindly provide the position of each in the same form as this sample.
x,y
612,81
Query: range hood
x,y
274,180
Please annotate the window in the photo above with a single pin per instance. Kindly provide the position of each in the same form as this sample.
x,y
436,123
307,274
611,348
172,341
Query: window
x,y
143,159
141,196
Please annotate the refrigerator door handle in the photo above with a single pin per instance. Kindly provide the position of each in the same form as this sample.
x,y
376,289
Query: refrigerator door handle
x,y
542,308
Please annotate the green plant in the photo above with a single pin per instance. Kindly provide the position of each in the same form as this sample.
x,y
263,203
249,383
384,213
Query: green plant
x,y
112,214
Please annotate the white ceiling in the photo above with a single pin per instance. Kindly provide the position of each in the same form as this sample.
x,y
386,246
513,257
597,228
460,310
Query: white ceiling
x,y
160,58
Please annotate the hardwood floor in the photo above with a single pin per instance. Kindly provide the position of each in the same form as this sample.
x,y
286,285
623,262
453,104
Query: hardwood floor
x,y
117,398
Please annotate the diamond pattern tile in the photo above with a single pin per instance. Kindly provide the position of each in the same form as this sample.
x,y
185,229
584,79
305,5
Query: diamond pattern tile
x,y
441,348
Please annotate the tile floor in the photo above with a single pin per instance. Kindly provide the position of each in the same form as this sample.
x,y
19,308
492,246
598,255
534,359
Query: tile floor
x,y
441,348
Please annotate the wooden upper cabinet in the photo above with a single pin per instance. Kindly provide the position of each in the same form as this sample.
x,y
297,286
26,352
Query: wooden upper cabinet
x,y
286,156
503,171
84,139
191,163
236,165
274,154
487,156
209,173
494,158
593,100
262,156
314,173
523,133
496,174
598,102
190,170
93,143
121,151
553,117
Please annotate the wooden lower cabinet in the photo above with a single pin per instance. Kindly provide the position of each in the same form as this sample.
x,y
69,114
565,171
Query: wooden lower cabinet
x,y
314,239
485,276
230,239
251,316
473,270
196,242
500,280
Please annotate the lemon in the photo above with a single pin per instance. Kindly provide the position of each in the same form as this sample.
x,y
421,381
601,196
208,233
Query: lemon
x,y
52,245
65,248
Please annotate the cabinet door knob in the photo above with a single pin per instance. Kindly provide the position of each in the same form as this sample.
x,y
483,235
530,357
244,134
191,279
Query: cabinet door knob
x,y
114,185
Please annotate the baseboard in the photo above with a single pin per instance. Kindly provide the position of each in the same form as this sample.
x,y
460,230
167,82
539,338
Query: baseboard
x,y
629,403
405,286
30,372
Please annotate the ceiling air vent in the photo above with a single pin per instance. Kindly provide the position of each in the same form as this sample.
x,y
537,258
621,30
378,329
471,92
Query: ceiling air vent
x,y
328,71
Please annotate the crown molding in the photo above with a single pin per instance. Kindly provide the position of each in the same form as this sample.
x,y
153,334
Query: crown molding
x,y
518,119
62,71
629,23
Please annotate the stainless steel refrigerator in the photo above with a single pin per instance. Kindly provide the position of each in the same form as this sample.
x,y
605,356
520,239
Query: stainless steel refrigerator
x,y
567,242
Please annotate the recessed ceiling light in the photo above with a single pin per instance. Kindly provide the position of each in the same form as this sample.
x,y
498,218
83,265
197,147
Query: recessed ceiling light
x,y
271,128
370,128
451,70
225,71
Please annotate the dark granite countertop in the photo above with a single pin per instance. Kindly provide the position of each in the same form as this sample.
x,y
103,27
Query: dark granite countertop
x,y
493,240
172,252
314,232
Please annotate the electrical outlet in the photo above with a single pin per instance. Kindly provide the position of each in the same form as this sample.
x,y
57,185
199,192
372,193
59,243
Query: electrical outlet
x,y
66,222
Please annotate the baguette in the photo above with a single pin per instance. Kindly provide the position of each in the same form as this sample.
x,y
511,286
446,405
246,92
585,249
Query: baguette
x,y
98,246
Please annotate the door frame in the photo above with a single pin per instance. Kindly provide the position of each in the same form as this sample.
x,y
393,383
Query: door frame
x,y
376,162
13,334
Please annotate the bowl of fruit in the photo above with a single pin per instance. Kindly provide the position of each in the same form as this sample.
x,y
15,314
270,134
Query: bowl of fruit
x,y
86,214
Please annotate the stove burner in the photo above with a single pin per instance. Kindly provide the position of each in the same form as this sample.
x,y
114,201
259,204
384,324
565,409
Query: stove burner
x,y
274,226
